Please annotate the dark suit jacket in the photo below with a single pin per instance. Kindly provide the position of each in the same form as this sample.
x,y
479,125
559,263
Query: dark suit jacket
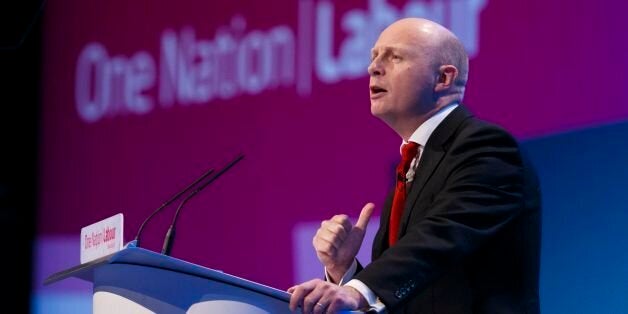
x,y
470,231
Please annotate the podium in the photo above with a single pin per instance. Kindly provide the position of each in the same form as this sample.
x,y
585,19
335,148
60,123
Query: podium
x,y
136,280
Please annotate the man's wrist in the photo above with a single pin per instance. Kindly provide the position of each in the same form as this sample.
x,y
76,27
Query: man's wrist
x,y
341,278
362,303
374,305
336,273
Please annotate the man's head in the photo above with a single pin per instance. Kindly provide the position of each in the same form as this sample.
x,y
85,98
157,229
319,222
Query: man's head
x,y
417,67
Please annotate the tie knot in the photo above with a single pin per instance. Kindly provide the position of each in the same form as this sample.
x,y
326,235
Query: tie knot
x,y
409,151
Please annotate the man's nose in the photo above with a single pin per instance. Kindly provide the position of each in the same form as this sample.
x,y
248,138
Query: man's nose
x,y
375,68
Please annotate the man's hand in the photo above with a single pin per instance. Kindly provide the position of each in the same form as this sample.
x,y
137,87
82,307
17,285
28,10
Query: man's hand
x,y
337,241
318,296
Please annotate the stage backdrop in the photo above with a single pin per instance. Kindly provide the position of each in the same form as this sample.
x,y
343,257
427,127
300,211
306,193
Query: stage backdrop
x,y
141,97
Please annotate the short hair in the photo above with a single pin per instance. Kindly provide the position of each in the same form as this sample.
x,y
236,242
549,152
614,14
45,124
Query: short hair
x,y
451,51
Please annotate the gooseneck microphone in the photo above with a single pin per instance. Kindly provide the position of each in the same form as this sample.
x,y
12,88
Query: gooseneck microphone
x,y
169,239
168,202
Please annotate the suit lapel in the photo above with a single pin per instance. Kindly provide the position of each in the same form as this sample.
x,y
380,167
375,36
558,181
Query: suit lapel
x,y
380,243
432,155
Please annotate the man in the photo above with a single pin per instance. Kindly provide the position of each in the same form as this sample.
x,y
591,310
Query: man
x,y
460,233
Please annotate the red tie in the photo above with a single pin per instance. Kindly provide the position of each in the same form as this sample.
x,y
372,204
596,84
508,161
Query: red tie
x,y
408,152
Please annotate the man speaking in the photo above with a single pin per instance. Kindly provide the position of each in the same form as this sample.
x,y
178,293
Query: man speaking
x,y
460,232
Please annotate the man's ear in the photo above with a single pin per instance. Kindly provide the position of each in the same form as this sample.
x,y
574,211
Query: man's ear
x,y
446,78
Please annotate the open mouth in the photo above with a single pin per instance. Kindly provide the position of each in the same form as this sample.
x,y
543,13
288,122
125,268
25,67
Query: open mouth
x,y
377,91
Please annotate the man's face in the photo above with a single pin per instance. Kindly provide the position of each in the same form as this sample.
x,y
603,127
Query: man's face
x,y
402,75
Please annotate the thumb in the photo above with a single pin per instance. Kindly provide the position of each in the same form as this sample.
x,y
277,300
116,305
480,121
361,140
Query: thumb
x,y
365,216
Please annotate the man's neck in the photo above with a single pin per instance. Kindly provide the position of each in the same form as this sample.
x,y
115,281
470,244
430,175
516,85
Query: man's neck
x,y
422,134
405,130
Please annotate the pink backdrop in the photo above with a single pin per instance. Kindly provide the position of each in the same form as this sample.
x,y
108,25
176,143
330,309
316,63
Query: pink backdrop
x,y
302,120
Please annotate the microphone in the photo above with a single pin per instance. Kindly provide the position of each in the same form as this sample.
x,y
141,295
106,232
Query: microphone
x,y
168,202
169,239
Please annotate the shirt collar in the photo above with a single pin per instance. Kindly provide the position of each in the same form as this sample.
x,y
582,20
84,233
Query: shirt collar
x,y
423,132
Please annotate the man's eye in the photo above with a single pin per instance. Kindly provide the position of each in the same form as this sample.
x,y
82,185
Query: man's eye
x,y
396,57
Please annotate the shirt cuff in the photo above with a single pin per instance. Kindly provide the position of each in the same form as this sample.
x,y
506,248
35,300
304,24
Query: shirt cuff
x,y
346,277
376,306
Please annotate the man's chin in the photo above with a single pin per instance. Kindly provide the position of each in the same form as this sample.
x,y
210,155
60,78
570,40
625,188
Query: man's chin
x,y
375,109
378,111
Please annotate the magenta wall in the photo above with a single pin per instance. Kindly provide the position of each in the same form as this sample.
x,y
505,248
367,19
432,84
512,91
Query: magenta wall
x,y
141,97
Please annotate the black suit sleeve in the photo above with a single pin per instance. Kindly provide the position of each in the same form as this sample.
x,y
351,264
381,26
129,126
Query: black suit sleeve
x,y
477,193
